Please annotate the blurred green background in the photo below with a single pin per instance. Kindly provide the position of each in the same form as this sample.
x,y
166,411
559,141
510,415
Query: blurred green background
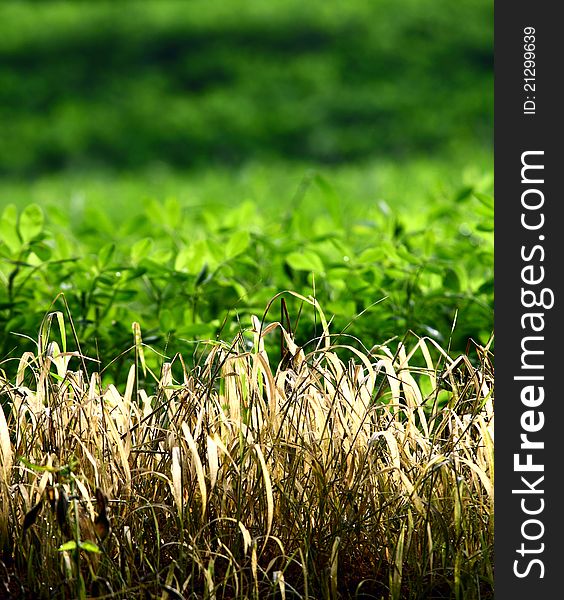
x,y
124,85
357,130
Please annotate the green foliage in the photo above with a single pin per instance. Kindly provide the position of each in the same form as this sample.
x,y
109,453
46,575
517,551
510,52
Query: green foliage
x,y
127,84
187,270
86,87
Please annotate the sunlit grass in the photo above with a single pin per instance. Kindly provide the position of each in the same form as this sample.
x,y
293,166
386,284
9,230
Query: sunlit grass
x,y
246,476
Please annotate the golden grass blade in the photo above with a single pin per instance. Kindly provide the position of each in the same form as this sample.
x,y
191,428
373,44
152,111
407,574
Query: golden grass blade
x,y
6,461
26,360
138,342
210,593
254,571
278,578
484,478
176,474
5,447
247,541
129,387
397,570
333,568
213,461
45,479
198,466
268,491
115,437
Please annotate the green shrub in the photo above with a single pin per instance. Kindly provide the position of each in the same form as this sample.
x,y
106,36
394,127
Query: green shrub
x,y
188,271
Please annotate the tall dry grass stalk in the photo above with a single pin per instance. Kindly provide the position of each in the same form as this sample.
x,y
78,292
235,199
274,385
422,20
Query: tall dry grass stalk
x,y
368,477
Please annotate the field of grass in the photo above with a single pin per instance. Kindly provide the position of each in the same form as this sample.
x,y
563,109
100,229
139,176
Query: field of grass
x,y
246,300
245,478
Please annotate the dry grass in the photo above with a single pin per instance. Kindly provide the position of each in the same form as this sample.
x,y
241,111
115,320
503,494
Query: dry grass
x,y
316,478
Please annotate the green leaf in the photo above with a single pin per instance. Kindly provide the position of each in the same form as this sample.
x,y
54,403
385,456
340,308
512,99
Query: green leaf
x,y
485,199
202,275
67,546
63,246
35,467
463,193
184,259
166,320
305,261
89,547
408,256
161,257
371,255
237,244
105,255
31,222
131,274
42,251
487,287
82,545
435,266
33,260
172,215
126,295
8,228
141,249
215,250
451,281
326,187
191,259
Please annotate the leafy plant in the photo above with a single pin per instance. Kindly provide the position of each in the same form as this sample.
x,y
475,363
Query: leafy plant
x,y
376,271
